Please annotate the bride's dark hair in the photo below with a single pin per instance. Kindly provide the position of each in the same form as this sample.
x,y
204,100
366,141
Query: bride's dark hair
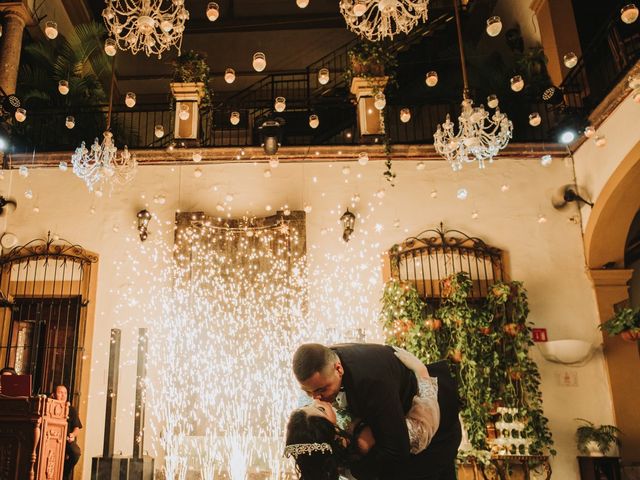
x,y
303,428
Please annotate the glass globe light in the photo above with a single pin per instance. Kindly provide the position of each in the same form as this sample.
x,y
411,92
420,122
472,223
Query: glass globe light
x,y
462,194
431,79
535,119
494,26
360,8
184,112
229,75
130,99
405,115
517,83
492,101
63,87
213,11
69,122
110,47
363,158
314,121
158,131
570,60
546,160
600,140
259,61
234,118
589,131
166,25
51,30
629,13
302,3
197,156
323,76
280,104
379,100
20,115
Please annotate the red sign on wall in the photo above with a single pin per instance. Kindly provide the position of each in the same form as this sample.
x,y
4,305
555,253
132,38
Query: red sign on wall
x,y
539,334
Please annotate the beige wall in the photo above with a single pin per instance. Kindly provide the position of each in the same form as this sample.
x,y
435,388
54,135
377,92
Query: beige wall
x,y
548,257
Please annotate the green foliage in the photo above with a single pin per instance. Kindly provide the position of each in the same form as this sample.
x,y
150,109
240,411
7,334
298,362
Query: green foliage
x,y
604,436
486,341
625,319
371,59
192,67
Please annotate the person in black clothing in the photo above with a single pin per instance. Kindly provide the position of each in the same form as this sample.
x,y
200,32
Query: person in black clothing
x,y
379,389
72,450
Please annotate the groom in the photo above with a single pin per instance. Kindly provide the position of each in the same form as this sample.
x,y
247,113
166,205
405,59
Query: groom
x,y
379,390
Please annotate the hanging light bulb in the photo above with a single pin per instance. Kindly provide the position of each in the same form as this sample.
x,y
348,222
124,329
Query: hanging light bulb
x,y
110,47
20,115
314,121
494,26
229,75
517,83
184,112
379,100
302,3
363,158
534,119
63,87
629,13
600,140
51,30
213,11
234,118
259,61
280,104
359,8
158,131
570,60
323,76
589,131
197,156
492,101
130,99
69,122
431,79
405,115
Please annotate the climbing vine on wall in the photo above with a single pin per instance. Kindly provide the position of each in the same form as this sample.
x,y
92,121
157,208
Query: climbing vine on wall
x,y
487,343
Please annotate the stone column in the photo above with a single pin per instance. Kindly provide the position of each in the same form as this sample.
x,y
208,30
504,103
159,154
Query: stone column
x,y
16,17
622,360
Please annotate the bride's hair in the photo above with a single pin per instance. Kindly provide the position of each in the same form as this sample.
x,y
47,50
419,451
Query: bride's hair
x,y
318,465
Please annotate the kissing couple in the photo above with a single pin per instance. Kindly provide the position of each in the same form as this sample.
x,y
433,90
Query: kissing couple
x,y
378,413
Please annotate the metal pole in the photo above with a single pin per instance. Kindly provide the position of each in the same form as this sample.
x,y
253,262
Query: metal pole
x,y
112,394
141,377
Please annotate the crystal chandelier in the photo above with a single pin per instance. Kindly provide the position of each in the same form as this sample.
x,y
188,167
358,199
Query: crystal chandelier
x,y
379,19
149,25
480,135
102,163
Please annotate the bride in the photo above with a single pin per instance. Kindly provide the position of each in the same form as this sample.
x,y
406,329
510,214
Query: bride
x,y
325,441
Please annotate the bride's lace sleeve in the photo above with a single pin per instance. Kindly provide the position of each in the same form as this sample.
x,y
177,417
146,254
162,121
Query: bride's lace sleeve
x,y
423,419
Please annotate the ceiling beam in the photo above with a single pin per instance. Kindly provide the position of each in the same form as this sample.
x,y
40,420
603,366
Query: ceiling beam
x,y
265,24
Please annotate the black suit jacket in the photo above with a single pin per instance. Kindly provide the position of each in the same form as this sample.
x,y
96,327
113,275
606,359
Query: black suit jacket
x,y
380,390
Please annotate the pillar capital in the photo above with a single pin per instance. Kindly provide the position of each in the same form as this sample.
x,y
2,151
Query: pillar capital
x,y
16,10
615,277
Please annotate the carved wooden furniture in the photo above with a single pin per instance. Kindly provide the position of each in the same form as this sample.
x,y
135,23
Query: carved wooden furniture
x,y
33,434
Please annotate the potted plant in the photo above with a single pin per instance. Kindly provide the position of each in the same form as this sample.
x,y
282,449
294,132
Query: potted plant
x,y
370,60
625,323
594,440
192,67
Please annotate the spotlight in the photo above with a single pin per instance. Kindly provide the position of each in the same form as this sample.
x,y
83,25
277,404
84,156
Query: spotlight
x,y
567,136
144,217
571,124
552,95
271,135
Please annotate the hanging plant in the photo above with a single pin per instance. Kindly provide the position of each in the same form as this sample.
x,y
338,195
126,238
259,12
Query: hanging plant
x,y
192,67
371,60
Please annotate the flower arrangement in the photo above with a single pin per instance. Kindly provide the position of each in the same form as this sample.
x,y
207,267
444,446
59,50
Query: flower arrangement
x,y
371,60
625,323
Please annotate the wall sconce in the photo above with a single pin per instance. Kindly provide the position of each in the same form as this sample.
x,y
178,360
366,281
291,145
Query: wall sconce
x,y
348,221
567,352
144,217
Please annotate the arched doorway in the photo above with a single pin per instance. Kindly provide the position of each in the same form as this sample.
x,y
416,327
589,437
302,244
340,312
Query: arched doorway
x,y
606,240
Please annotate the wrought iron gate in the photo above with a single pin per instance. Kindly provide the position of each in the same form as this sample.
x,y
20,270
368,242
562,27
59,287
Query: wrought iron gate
x,y
44,291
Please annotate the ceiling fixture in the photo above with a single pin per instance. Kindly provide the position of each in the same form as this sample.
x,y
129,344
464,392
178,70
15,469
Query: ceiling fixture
x,y
51,30
494,26
213,11
379,19
152,26
102,163
259,61
629,13
480,135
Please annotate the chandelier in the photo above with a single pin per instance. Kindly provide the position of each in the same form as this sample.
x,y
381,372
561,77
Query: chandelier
x,y
480,135
102,163
149,25
379,19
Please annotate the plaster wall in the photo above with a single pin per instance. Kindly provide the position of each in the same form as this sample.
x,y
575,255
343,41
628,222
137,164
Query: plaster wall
x,y
594,165
547,257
